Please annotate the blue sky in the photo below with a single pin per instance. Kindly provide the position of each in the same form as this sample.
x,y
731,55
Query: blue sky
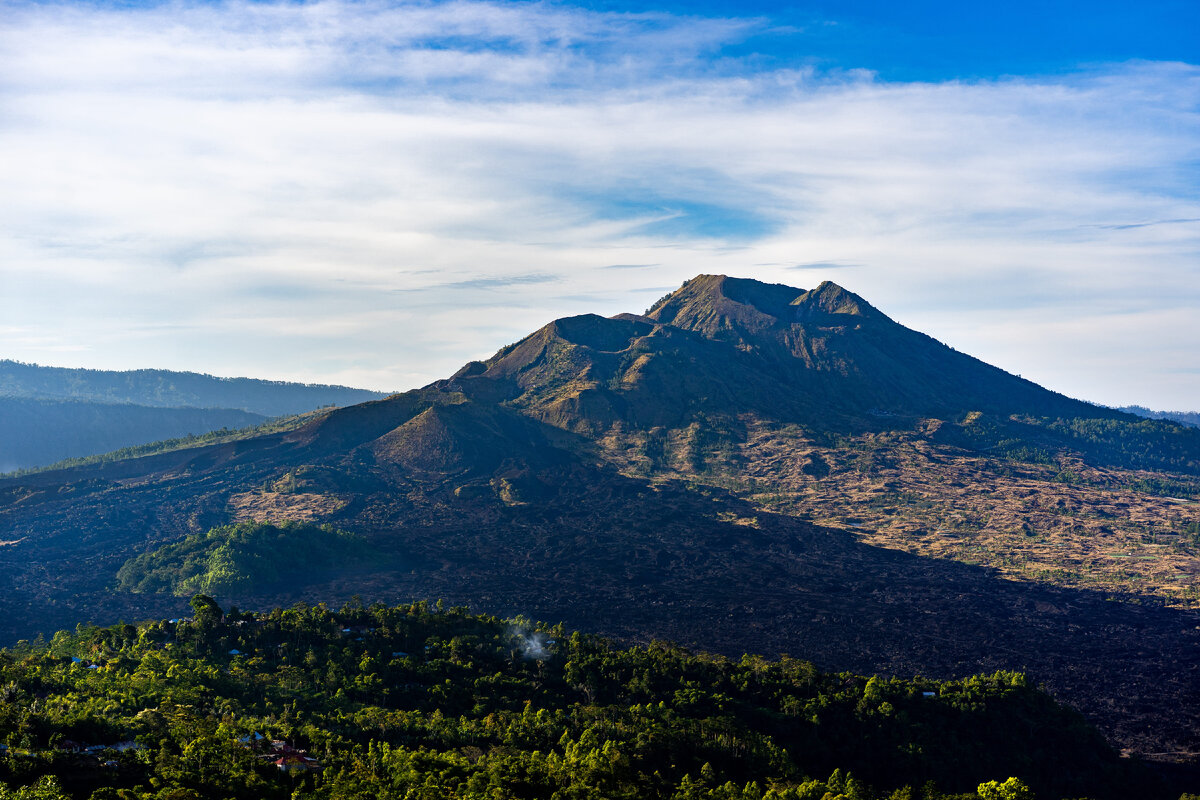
x,y
935,40
375,192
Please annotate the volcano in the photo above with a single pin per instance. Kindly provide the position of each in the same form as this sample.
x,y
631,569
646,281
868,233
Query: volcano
x,y
699,473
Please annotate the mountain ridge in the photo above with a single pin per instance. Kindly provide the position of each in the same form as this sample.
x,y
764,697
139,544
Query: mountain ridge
x,y
53,414
170,388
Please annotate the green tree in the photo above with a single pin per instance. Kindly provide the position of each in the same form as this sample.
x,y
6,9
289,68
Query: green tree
x,y
207,612
46,788
1011,789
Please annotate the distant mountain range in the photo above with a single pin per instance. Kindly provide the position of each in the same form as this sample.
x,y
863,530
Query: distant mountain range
x,y
746,466
1190,418
162,388
36,432
48,414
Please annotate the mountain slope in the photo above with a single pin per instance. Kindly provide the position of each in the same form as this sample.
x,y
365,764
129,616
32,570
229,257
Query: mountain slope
x,y
36,432
832,342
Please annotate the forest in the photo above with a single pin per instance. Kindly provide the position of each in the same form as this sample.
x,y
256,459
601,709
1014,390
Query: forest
x,y
239,558
426,701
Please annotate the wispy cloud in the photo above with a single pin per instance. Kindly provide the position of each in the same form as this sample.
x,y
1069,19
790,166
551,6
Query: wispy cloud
x,y
819,265
292,176
1125,226
495,282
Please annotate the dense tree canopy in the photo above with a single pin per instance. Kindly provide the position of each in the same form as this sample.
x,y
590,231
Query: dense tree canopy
x,y
235,558
416,701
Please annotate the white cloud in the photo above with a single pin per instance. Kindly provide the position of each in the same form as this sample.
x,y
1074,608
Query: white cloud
x,y
258,189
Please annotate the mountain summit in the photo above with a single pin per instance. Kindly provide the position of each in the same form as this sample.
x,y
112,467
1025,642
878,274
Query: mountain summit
x,y
711,303
730,346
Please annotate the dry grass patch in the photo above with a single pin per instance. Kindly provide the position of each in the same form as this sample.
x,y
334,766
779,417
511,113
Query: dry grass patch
x,y
267,506
1064,523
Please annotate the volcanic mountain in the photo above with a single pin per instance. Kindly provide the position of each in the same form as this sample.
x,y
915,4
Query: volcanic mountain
x,y
730,347
746,466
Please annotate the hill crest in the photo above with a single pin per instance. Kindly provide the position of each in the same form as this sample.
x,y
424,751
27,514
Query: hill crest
x,y
163,388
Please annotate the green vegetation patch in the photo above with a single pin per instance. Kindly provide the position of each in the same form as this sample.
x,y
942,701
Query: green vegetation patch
x,y
1131,444
239,559
425,702
1145,444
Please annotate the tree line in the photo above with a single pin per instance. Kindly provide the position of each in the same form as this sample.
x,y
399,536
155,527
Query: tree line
x,y
423,701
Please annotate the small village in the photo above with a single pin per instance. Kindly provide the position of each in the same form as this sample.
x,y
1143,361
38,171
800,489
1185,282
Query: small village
x,y
279,753
105,756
